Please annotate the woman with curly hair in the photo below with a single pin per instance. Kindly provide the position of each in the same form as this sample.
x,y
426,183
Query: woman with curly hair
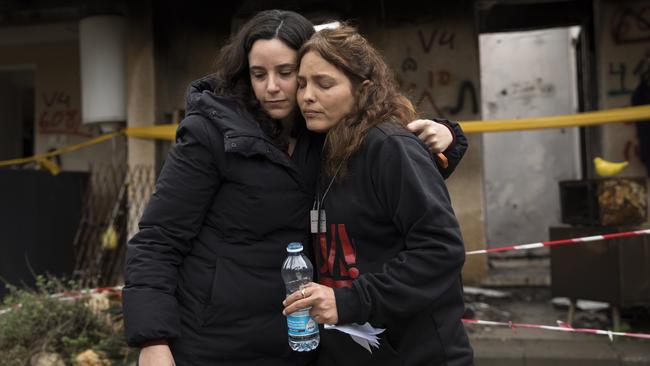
x,y
391,252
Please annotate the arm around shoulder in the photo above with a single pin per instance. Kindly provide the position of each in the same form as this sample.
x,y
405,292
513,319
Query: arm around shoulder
x,y
455,152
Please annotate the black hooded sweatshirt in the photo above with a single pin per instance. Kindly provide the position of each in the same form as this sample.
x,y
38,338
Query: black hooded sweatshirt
x,y
393,253
203,271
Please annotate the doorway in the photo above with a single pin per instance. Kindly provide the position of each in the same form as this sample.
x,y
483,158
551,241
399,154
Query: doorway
x,y
528,74
16,113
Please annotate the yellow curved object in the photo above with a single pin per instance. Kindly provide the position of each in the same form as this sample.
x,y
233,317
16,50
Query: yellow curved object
x,y
606,168
109,239
53,167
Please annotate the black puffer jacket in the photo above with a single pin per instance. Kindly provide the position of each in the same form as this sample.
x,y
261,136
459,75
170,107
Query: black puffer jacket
x,y
204,269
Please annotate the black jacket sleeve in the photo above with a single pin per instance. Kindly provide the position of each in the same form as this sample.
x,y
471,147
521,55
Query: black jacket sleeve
x,y
184,190
454,152
413,193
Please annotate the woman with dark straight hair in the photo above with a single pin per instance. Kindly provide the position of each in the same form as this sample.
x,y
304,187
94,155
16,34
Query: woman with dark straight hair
x,y
202,279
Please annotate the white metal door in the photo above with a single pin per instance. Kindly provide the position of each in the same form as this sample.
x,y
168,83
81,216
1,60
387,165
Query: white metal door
x,y
527,74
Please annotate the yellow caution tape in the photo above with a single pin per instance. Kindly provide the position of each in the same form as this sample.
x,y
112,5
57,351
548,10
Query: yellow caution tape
x,y
51,166
618,115
159,132
168,131
60,151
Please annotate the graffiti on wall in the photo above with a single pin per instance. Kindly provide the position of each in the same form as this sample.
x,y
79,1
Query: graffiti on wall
x,y
626,76
419,78
59,116
625,62
631,149
436,37
631,25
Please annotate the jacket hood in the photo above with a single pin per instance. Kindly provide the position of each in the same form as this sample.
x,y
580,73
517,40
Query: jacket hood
x,y
229,116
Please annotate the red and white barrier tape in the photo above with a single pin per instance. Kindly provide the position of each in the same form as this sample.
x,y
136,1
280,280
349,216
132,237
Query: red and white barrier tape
x,y
560,242
561,327
76,295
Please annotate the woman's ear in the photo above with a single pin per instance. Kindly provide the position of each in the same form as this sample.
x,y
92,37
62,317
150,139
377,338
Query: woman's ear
x,y
363,89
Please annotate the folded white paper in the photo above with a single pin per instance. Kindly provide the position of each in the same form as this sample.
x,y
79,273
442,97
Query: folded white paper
x,y
365,334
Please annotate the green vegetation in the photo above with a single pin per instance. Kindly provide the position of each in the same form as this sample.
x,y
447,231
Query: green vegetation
x,y
40,323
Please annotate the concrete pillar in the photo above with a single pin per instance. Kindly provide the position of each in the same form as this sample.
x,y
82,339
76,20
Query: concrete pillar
x,y
141,102
141,109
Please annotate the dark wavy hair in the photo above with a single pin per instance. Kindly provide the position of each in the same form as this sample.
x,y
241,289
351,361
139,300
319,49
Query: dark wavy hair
x,y
376,94
232,68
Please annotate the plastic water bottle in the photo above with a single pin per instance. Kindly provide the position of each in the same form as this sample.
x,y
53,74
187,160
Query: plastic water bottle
x,y
296,272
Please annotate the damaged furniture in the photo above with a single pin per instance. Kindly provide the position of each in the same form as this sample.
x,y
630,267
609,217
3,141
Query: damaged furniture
x,y
615,270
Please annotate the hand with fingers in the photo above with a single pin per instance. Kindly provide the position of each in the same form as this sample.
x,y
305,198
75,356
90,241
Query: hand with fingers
x,y
436,136
320,298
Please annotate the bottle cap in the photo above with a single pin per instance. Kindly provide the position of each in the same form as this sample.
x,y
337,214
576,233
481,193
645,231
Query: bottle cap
x,y
294,248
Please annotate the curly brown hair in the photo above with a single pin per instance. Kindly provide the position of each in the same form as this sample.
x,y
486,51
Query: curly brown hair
x,y
377,100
